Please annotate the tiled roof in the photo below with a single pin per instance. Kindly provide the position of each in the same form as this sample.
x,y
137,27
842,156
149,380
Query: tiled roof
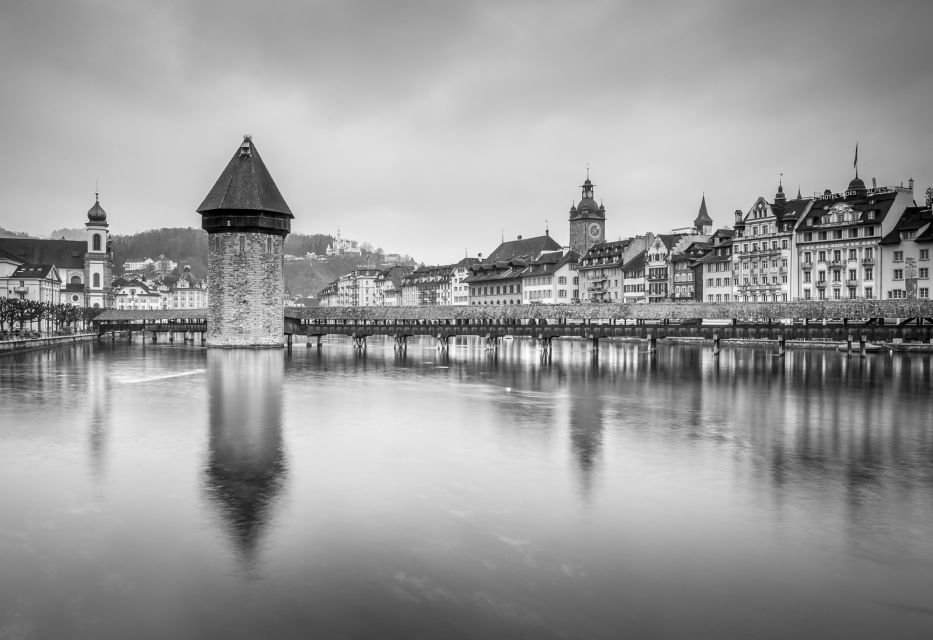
x,y
527,248
880,203
637,261
550,263
913,219
245,184
64,254
45,271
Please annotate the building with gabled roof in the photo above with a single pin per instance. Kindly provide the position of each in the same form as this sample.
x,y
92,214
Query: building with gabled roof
x,y
551,279
762,250
634,283
905,252
136,295
713,280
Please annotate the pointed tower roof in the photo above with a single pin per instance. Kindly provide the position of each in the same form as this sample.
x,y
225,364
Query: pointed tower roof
x,y
703,219
245,185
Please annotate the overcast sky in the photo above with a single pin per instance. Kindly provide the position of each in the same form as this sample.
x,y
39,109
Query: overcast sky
x,y
428,127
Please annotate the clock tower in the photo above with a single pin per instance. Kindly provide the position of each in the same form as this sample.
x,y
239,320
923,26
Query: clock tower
x,y
587,221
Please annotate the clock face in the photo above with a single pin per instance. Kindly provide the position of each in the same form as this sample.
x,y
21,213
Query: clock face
x,y
594,230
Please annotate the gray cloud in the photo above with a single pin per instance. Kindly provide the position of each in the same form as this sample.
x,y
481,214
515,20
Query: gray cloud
x,y
426,127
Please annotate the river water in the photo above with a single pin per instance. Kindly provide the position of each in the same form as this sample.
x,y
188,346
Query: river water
x,y
168,491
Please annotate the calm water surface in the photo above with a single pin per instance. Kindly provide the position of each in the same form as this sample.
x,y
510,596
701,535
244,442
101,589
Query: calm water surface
x,y
168,491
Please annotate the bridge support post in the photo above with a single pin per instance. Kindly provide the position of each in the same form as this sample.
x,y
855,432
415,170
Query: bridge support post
x,y
154,338
863,341
129,336
359,343
441,343
849,345
204,337
288,340
781,345
171,336
652,343
594,347
716,343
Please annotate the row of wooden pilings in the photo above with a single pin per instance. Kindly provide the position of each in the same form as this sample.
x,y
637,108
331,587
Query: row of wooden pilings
x,y
187,336
544,343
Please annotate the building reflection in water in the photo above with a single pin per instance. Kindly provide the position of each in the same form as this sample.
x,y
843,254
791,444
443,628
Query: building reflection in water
x,y
98,394
246,468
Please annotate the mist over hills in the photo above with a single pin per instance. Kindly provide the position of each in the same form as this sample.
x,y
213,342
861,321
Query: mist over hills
x,y
188,246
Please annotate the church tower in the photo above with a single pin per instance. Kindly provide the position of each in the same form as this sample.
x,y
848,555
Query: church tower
x,y
246,220
98,259
587,220
703,223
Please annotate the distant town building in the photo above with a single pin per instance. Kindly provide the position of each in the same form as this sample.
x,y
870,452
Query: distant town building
x,y
713,280
497,280
187,293
135,295
83,267
551,279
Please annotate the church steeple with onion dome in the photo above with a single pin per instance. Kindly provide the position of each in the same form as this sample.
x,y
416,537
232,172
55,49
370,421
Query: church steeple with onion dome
x,y
98,259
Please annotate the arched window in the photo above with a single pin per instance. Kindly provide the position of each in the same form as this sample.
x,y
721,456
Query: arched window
x,y
97,281
75,279
96,242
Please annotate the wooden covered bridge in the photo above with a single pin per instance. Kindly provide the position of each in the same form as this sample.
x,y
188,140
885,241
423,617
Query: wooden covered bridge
x,y
876,321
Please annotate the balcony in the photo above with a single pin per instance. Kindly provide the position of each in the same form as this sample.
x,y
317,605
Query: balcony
x,y
821,284
835,263
851,283
868,262
20,289
807,265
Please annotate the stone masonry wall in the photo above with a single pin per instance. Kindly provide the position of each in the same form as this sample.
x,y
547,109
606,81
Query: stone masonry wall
x,y
246,290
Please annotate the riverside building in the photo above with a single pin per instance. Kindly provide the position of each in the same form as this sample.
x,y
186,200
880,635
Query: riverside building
x,y
838,241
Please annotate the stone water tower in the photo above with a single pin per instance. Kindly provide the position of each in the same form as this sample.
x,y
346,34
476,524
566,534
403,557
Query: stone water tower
x,y
247,220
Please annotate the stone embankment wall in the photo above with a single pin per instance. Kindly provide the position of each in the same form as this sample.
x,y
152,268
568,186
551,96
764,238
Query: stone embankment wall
x,y
246,290
16,346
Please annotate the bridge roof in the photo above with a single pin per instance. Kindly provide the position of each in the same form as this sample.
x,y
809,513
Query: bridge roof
x,y
127,315
814,309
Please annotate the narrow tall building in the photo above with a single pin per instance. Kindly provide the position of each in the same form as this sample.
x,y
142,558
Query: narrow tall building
x,y
587,221
98,259
247,220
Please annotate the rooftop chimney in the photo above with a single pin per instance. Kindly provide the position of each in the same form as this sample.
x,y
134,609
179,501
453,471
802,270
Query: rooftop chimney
x,y
874,183
519,237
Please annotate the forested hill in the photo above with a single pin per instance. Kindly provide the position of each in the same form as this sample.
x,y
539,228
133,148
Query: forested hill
x,y
189,246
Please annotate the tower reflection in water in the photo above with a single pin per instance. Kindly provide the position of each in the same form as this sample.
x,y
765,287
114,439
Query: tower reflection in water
x,y
246,468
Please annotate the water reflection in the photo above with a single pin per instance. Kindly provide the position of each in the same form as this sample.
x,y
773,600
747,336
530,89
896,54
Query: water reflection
x,y
246,467
98,398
